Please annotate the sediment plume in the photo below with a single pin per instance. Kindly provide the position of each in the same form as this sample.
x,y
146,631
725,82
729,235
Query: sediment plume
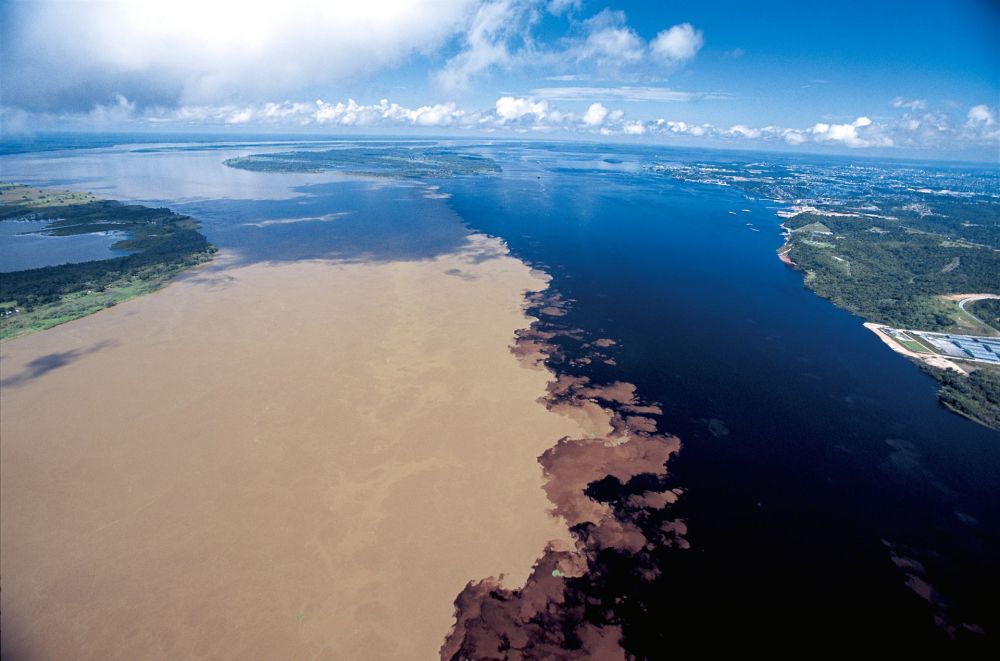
x,y
556,614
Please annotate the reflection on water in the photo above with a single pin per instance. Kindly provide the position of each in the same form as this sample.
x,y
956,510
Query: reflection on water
x,y
349,220
23,245
262,216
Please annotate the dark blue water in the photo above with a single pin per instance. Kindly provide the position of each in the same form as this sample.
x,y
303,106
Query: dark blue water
x,y
832,455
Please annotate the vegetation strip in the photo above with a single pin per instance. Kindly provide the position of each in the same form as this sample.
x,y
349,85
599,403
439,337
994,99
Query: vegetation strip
x,y
164,243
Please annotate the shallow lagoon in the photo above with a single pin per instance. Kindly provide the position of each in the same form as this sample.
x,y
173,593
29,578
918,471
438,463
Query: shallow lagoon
x,y
24,245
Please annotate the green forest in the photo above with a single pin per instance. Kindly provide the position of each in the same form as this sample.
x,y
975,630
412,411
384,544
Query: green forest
x,y
888,271
164,243
974,396
894,271
404,162
988,311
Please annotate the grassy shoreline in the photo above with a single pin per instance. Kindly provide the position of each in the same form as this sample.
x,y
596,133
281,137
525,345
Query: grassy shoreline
x,y
164,244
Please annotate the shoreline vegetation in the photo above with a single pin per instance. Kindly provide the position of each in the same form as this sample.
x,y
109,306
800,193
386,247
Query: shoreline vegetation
x,y
162,244
413,162
893,245
901,278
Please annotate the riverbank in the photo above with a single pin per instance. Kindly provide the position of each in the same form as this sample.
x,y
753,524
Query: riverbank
x,y
161,242
934,360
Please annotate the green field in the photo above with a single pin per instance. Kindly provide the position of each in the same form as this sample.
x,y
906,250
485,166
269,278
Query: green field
x,y
913,345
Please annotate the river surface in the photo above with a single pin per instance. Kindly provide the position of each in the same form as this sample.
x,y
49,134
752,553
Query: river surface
x,y
826,492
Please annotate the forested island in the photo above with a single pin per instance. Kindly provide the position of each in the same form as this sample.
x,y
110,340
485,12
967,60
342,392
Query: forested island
x,y
402,162
161,243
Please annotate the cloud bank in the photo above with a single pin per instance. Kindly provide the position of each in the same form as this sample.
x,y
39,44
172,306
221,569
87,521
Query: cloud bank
x,y
72,55
119,64
529,114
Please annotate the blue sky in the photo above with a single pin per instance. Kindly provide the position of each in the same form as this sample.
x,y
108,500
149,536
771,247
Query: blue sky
x,y
915,79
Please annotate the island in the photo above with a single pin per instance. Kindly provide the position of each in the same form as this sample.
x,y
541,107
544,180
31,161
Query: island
x,y
406,162
158,244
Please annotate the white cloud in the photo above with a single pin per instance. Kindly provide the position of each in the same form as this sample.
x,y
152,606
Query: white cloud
x,y
793,136
595,115
744,131
240,117
64,56
510,109
485,42
913,104
383,113
71,55
609,40
634,128
855,134
679,43
981,115
682,128
528,114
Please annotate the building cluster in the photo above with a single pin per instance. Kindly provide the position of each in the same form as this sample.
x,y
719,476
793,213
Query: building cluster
x,y
968,347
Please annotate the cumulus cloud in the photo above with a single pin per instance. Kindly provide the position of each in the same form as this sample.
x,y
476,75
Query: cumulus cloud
x,y
981,125
744,131
793,136
634,128
856,134
595,115
681,42
348,113
510,109
112,114
72,55
609,40
529,114
981,115
500,36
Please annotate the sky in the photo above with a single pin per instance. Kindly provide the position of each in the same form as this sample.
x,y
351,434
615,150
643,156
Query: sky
x,y
910,79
